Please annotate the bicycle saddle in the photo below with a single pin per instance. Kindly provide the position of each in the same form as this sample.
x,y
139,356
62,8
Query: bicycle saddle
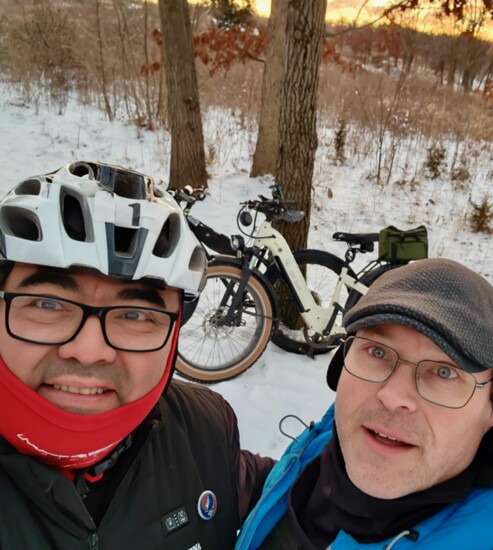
x,y
356,238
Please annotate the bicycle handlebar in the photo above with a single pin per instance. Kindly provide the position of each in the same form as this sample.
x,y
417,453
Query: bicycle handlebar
x,y
274,208
188,195
181,195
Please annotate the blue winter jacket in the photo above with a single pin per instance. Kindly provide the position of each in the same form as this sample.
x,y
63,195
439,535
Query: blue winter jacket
x,y
468,525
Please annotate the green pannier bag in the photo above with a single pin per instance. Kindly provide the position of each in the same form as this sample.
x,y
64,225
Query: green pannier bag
x,y
397,246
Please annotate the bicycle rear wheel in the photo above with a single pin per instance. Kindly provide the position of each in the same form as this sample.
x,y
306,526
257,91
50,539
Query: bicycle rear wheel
x,y
322,271
209,351
367,279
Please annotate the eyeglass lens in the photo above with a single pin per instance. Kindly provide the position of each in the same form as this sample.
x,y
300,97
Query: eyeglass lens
x,y
55,321
437,382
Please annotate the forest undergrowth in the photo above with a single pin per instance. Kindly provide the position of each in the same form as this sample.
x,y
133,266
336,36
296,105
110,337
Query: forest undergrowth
x,y
400,120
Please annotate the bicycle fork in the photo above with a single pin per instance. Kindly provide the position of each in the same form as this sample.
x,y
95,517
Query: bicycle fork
x,y
235,291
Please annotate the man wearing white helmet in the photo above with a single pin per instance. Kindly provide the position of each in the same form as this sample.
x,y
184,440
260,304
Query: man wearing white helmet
x,y
95,268
404,459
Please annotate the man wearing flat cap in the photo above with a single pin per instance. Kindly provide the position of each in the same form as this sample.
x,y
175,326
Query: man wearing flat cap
x,y
404,458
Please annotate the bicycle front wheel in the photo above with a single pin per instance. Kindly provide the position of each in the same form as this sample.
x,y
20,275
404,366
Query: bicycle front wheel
x,y
210,350
321,270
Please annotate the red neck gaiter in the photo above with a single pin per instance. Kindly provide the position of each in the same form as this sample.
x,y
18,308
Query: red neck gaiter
x,y
36,427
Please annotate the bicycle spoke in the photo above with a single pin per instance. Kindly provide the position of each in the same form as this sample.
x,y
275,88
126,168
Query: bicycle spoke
x,y
209,344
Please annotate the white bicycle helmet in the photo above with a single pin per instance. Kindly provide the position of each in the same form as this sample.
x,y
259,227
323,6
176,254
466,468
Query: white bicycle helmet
x,y
103,217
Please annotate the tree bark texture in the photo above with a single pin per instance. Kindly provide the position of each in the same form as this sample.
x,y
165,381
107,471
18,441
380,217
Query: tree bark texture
x,y
298,133
187,165
266,150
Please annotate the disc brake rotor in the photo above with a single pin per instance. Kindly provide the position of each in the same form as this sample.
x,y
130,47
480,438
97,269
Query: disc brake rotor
x,y
213,329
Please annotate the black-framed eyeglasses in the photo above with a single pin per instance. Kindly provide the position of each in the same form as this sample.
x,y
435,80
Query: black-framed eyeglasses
x,y
440,383
53,321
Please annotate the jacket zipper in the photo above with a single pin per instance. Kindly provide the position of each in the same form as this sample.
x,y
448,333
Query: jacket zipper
x,y
247,526
93,541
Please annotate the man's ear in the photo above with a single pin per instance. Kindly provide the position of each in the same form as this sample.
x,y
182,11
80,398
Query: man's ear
x,y
335,368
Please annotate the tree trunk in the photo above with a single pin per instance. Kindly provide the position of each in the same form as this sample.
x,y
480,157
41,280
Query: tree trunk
x,y
187,140
298,132
265,156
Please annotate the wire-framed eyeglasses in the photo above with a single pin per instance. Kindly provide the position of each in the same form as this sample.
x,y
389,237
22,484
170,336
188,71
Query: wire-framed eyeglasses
x,y
53,321
441,383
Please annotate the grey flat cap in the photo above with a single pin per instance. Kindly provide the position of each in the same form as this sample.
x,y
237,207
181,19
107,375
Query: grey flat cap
x,y
442,299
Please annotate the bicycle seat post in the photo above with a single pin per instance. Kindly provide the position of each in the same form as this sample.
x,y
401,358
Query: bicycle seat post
x,y
350,255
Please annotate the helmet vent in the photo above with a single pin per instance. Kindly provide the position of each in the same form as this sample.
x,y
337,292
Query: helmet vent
x,y
168,238
197,260
20,223
129,185
28,187
73,218
83,169
125,241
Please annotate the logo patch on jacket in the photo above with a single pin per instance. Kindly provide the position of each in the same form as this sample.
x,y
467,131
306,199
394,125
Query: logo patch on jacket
x,y
207,505
175,519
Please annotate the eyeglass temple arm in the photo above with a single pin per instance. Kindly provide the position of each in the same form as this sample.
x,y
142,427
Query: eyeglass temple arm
x,y
483,384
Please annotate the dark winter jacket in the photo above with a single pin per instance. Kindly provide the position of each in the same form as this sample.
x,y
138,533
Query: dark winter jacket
x,y
154,496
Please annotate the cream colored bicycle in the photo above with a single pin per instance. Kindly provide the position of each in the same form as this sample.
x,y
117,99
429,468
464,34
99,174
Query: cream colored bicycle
x,y
240,310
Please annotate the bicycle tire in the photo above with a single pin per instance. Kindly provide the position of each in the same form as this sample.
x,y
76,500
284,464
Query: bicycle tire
x,y
211,353
323,268
367,279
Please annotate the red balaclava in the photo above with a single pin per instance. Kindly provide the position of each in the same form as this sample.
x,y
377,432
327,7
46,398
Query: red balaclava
x,y
36,427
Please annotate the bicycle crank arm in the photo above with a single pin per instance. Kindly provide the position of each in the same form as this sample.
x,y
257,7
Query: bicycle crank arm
x,y
319,341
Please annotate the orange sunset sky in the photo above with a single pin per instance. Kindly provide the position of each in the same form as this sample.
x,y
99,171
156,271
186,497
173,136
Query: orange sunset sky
x,y
365,11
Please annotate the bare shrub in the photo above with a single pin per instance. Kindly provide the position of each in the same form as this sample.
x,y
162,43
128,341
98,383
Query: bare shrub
x,y
385,116
460,169
238,90
403,182
39,46
105,51
340,141
481,217
460,175
210,154
435,161
124,62
426,108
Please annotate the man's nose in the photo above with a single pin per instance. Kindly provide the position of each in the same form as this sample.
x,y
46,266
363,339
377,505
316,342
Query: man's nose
x,y
89,346
399,391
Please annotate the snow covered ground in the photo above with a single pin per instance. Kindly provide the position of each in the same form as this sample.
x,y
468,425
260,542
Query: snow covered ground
x,y
36,140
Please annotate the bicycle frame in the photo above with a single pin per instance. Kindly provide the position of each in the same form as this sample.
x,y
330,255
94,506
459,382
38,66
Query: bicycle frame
x,y
316,317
